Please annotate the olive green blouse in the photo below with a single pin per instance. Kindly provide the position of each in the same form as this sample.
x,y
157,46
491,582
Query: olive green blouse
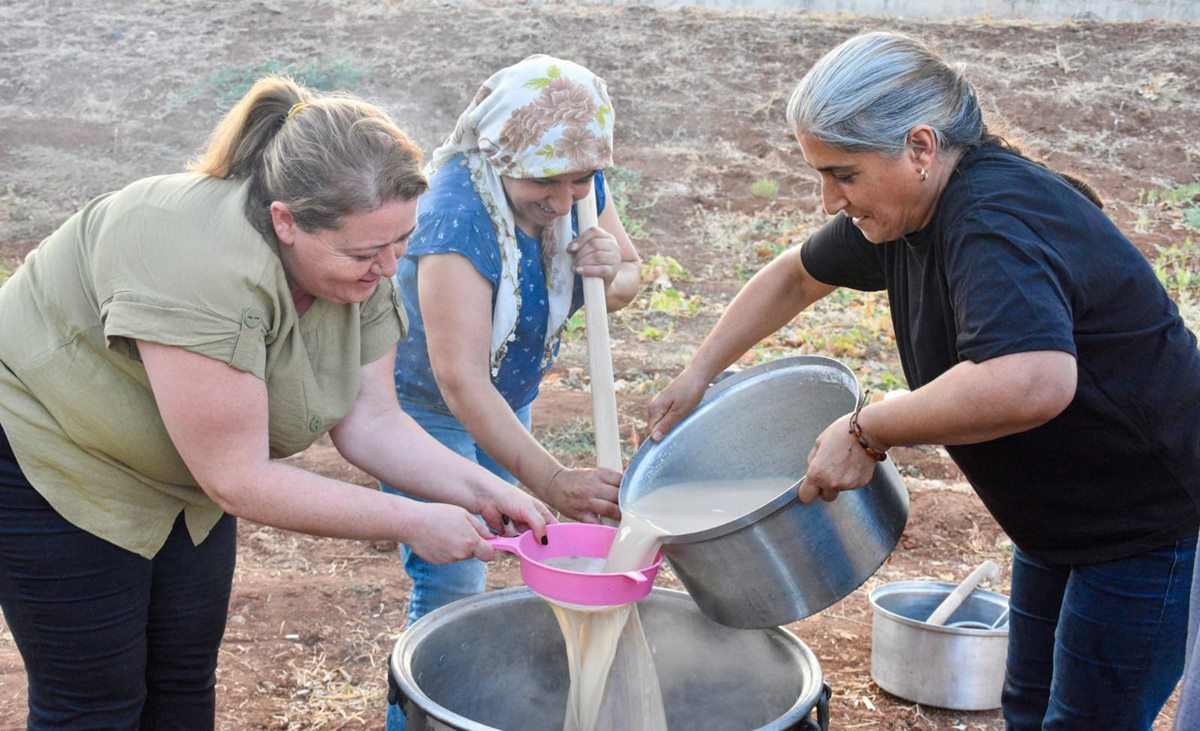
x,y
171,260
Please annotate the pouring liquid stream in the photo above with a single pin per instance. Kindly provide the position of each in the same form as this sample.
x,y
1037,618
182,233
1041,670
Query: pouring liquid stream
x,y
614,685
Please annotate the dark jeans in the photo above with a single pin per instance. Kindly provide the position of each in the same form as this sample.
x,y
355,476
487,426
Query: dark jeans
x,y
1098,645
111,640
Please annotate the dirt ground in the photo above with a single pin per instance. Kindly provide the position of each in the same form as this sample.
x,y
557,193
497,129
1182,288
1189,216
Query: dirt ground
x,y
95,94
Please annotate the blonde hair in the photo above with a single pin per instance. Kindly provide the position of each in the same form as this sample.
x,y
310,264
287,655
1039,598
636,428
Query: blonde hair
x,y
322,156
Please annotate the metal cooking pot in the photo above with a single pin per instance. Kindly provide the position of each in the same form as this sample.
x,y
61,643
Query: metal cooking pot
x,y
959,665
497,661
785,560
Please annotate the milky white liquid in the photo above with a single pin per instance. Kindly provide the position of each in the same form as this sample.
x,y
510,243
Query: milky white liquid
x,y
614,686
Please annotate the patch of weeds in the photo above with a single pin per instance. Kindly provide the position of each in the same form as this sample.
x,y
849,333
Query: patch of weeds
x,y
575,438
746,243
653,334
14,207
1180,205
1178,269
622,184
764,188
1160,86
576,325
660,269
672,303
643,383
882,381
5,272
850,326
650,316
231,84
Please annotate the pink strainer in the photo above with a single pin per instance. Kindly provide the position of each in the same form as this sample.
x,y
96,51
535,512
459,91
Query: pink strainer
x,y
577,587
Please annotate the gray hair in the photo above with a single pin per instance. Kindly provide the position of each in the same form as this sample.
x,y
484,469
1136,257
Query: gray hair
x,y
866,94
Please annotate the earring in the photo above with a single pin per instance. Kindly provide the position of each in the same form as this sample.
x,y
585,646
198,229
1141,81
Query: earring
x,y
923,174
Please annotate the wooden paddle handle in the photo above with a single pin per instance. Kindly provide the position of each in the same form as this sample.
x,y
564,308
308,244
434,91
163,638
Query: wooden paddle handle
x,y
987,570
600,372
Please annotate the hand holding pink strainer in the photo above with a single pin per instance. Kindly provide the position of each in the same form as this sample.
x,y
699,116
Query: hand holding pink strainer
x,y
577,587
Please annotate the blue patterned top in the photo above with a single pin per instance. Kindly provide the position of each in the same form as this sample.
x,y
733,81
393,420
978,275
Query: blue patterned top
x,y
451,218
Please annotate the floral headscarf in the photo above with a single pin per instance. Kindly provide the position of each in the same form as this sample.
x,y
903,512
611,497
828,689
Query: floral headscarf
x,y
539,118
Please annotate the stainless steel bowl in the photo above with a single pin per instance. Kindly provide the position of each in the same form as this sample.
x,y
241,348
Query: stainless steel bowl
x,y
959,665
785,560
497,661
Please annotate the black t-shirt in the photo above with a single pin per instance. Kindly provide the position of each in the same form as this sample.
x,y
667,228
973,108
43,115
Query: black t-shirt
x,y
1017,260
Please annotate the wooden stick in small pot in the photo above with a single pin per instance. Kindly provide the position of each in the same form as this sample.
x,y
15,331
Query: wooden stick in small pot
x,y
988,570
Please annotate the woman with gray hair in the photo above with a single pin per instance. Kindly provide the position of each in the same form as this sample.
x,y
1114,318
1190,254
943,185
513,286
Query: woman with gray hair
x,y
1040,349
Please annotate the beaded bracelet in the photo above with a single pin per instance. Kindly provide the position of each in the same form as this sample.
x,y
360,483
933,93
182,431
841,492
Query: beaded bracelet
x,y
856,430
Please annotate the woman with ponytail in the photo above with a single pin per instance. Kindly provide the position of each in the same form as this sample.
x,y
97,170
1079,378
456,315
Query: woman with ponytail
x,y
160,353
1041,350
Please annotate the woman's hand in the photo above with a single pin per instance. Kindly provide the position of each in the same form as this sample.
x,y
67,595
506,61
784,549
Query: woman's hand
x,y
586,495
508,510
597,254
441,533
674,402
836,462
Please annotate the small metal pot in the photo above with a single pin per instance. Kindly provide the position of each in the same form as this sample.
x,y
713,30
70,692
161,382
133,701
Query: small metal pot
x,y
786,560
959,665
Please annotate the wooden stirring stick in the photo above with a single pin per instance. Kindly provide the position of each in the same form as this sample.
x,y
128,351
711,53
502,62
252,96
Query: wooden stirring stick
x,y
600,372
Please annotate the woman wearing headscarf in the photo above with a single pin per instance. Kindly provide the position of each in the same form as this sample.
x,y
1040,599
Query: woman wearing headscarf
x,y
1040,349
491,277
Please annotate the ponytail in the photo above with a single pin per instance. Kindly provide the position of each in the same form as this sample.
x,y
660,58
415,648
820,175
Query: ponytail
x,y
322,156
235,148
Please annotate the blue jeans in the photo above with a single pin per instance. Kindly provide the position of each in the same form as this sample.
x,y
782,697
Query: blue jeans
x,y
436,585
1097,645
110,639
1187,713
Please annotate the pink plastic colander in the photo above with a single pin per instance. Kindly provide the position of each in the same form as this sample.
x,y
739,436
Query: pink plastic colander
x,y
577,587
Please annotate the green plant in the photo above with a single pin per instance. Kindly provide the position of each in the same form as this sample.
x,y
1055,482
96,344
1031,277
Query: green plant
x,y
661,273
764,188
575,438
885,381
1182,201
576,325
652,333
673,303
1178,269
751,241
622,184
231,84
660,269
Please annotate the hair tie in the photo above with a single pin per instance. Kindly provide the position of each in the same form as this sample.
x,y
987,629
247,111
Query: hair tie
x,y
296,109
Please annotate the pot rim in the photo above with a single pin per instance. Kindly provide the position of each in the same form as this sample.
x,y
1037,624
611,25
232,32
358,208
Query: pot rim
x,y
763,371
941,589
400,660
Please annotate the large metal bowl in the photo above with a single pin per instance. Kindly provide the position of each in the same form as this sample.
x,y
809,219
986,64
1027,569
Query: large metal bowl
x,y
784,560
497,661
